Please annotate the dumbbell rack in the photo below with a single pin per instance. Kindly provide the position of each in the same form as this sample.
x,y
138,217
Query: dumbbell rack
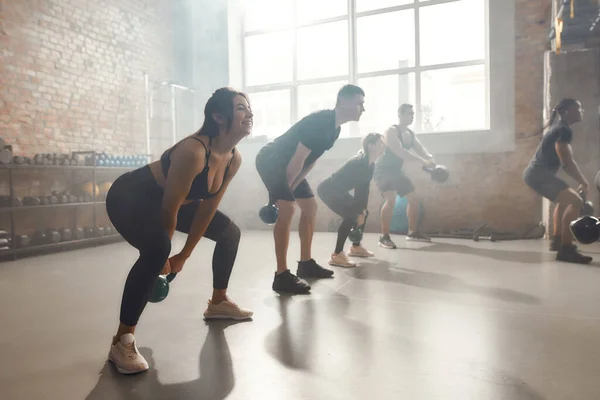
x,y
15,252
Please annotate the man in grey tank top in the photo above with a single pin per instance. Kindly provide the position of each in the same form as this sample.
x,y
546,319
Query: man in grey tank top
x,y
401,144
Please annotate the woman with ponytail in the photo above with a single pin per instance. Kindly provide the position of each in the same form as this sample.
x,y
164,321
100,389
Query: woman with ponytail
x,y
180,192
553,152
355,175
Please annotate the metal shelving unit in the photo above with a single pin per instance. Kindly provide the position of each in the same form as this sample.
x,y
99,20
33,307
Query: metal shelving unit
x,y
14,252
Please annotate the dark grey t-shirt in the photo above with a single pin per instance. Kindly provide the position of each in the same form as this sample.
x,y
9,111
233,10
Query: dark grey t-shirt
x,y
316,131
545,155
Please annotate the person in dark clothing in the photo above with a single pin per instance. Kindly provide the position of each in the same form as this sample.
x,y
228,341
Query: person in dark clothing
x,y
182,192
553,152
355,175
401,145
283,165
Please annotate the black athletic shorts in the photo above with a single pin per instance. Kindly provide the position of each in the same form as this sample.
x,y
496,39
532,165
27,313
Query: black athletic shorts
x,y
275,179
388,180
544,182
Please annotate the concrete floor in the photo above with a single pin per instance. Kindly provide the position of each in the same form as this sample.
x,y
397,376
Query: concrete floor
x,y
449,320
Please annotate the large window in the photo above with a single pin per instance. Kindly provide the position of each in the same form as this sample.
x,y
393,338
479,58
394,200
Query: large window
x,y
429,53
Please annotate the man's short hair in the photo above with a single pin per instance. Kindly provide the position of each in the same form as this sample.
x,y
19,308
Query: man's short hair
x,y
404,107
347,91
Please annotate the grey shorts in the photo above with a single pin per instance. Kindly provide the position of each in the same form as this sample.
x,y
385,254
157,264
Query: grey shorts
x,y
388,180
544,182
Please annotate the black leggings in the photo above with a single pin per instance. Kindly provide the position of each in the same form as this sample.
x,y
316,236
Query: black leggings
x,y
133,204
342,204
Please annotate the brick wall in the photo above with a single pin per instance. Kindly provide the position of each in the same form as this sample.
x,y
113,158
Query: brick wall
x,y
71,72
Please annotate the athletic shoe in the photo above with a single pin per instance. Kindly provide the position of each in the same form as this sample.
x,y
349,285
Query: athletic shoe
x,y
126,357
310,269
359,251
386,242
556,242
340,260
568,253
417,237
226,310
289,283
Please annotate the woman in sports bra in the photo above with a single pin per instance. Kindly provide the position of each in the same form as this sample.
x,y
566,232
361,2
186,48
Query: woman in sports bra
x,y
181,191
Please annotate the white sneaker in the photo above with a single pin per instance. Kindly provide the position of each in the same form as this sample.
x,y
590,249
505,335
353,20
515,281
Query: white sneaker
x,y
340,260
359,251
226,310
126,357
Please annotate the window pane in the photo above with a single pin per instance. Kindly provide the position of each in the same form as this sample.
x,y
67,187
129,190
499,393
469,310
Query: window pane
x,y
453,99
265,66
317,97
384,94
452,32
372,54
267,14
323,50
368,5
271,112
310,10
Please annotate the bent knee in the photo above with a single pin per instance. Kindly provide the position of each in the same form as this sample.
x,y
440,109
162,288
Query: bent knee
x,y
570,198
158,249
286,207
232,234
308,206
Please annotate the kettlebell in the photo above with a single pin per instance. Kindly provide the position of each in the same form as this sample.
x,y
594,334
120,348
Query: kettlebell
x,y
585,229
161,288
268,214
355,235
439,173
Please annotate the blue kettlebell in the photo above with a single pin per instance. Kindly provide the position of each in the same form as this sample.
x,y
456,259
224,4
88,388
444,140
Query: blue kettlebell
x,y
161,288
268,214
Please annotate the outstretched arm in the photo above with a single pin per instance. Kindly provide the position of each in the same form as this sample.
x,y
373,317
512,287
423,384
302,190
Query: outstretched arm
x,y
565,154
207,208
296,171
393,143
421,150
184,167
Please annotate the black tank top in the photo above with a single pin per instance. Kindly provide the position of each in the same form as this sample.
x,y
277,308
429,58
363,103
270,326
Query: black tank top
x,y
199,189
389,159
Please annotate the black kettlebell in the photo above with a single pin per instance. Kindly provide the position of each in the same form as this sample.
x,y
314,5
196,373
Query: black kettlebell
x,y
355,235
161,288
585,229
268,214
588,207
439,173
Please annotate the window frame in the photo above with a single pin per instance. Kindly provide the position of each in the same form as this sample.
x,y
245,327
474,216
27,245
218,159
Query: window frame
x,y
500,114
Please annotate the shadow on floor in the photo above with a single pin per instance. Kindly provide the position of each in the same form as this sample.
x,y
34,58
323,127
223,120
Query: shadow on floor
x,y
315,331
215,383
386,271
529,257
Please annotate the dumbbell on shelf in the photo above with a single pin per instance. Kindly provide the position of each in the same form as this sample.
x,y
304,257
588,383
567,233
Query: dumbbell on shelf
x,y
53,236
65,234
23,241
78,234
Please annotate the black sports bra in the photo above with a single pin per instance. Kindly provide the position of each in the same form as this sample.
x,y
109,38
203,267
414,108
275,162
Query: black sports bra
x,y
199,189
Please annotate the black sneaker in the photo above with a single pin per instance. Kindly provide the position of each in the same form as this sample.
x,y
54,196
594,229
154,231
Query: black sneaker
x,y
417,237
569,253
556,242
386,242
289,283
310,269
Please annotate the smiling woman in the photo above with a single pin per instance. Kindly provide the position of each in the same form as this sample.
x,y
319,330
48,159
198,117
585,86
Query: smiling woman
x,y
181,191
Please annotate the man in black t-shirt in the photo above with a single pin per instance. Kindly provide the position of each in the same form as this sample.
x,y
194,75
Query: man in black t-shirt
x,y
283,165
553,152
